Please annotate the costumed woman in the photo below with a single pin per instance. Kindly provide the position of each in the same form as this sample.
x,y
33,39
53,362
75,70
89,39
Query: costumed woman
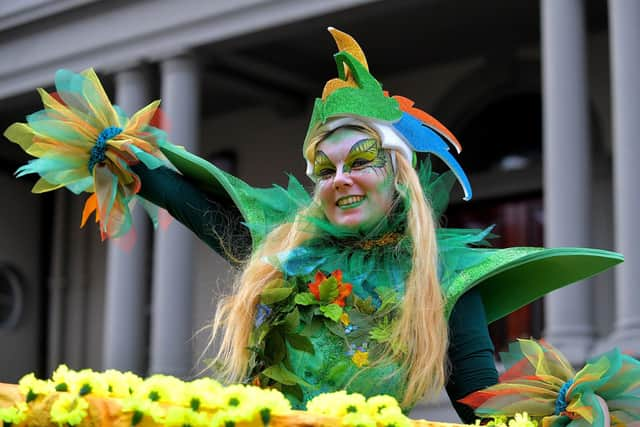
x,y
355,287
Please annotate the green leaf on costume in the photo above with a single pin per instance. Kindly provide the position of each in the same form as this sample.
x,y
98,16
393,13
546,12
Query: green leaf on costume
x,y
293,390
364,305
300,342
337,371
274,349
257,336
311,328
389,301
332,311
334,328
382,331
328,290
284,376
305,298
292,321
273,295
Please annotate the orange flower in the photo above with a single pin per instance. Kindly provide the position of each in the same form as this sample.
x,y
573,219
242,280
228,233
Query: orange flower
x,y
344,289
314,287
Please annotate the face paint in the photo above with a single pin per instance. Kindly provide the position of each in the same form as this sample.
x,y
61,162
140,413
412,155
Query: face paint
x,y
355,180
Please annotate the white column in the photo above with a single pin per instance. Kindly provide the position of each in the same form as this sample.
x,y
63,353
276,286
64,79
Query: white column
x,y
624,35
171,316
567,166
125,324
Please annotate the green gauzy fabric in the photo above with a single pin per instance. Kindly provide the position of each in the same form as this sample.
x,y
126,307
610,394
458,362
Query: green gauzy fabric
x,y
506,278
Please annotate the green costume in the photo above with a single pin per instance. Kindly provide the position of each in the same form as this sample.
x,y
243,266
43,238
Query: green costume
x,y
474,279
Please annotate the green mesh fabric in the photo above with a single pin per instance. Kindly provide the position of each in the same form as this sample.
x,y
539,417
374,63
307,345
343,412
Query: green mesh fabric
x,y
535,271
262,208
506,279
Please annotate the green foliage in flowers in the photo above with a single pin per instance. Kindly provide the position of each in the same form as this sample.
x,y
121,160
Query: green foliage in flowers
x,y
293,310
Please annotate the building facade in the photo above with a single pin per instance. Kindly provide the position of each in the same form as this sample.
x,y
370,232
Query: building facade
x,y
544,96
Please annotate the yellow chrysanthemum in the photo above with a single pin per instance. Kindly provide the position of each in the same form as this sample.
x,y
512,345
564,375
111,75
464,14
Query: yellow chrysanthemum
x,y
337,404
69,409
377,404
389,417
143,408
14,414
121,384
64,379
270,402
161,389
240,402
522,420
87,381
179,416
31,387
358,420
498,421
360,358
203,393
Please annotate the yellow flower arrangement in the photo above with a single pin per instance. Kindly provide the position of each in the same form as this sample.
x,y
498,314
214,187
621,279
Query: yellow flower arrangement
x,y
31,387
338,404
14,414
139,408
391,418
204,402
522,420
178,416
121,384
358,420
383,402
203,393
69,409
161,389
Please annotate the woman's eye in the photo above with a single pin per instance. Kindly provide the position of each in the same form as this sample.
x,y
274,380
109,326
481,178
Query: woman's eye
x,y
357,163
325,173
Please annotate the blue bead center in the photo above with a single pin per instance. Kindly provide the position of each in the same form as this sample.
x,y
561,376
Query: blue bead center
x,y
561,401
99,149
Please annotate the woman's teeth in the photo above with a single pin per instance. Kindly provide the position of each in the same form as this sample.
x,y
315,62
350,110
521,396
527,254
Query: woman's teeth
x,y
345,201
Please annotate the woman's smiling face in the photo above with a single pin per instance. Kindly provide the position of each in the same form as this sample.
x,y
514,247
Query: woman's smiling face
x,y
355,179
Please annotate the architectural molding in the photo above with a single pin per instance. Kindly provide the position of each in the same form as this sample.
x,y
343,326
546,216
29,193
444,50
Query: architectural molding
x,y
107,38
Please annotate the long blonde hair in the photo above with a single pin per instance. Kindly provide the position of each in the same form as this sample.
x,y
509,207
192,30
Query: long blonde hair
x,y
420,336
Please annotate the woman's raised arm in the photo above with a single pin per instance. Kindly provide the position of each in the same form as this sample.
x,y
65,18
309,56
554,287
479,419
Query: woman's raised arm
x,y
216,221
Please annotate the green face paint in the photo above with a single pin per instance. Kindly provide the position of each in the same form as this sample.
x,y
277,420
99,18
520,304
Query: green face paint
x,y
355,180
365,153
322,165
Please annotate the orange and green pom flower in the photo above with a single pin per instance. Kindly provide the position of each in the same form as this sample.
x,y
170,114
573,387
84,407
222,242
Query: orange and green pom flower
x,y
330,290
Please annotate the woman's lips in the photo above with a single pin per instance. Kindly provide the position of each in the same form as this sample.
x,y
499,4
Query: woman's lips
x,y
349,201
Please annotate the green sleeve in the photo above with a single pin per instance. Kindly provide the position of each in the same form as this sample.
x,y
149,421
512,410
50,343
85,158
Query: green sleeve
x,y
471,352
216,221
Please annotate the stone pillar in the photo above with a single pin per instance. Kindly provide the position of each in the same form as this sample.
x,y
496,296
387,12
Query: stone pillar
x,y
172,288
567,166
125,326
624,34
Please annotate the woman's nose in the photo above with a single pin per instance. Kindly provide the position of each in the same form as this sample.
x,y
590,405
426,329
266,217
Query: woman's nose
x,y
342,179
